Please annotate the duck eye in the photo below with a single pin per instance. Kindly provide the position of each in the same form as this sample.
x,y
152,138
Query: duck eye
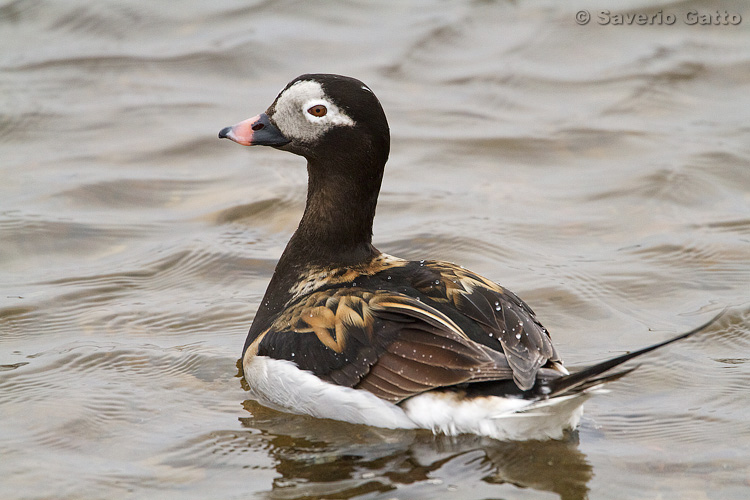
x,y
318,110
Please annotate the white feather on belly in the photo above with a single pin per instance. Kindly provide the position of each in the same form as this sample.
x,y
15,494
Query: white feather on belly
x,y
507,419
282,385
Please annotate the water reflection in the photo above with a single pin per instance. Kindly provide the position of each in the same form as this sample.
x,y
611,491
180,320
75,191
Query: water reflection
x,y
326,459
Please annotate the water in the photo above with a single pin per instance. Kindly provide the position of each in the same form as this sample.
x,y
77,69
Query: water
x,y
601,172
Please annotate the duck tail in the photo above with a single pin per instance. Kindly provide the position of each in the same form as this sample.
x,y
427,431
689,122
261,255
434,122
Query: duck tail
x,y
596,375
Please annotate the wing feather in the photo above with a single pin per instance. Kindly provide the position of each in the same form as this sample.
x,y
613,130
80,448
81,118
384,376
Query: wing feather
x,y
504,319
389,343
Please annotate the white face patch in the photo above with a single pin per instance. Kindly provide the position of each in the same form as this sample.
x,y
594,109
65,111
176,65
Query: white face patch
x,y
296,123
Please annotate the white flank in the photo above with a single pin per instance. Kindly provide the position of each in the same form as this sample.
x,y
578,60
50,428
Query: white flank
x,y
281,384
508,419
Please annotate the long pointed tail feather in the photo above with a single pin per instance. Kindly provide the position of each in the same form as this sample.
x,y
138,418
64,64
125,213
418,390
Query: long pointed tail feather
x,y
596,374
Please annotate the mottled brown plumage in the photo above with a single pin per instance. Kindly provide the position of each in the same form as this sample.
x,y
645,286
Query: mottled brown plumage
x,y
391,326
455,351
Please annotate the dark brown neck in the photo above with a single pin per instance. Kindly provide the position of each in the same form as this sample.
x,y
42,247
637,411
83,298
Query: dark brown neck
x,y
336,228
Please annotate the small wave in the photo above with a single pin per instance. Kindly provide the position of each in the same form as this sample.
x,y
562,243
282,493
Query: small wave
x,y
133,193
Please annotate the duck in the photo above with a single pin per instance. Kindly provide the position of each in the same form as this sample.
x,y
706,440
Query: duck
x,y
349,333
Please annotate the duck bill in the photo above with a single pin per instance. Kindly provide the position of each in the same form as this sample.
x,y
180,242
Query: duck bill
x,y
256,131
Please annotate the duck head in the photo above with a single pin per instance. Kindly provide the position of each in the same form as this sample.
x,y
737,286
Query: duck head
x,y
339,126
322,117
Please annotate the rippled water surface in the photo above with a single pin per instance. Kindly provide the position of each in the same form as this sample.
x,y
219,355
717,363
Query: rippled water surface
x,y
601,172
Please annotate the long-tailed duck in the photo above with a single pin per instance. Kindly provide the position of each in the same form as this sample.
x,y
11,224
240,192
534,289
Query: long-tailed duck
x,y
347,332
